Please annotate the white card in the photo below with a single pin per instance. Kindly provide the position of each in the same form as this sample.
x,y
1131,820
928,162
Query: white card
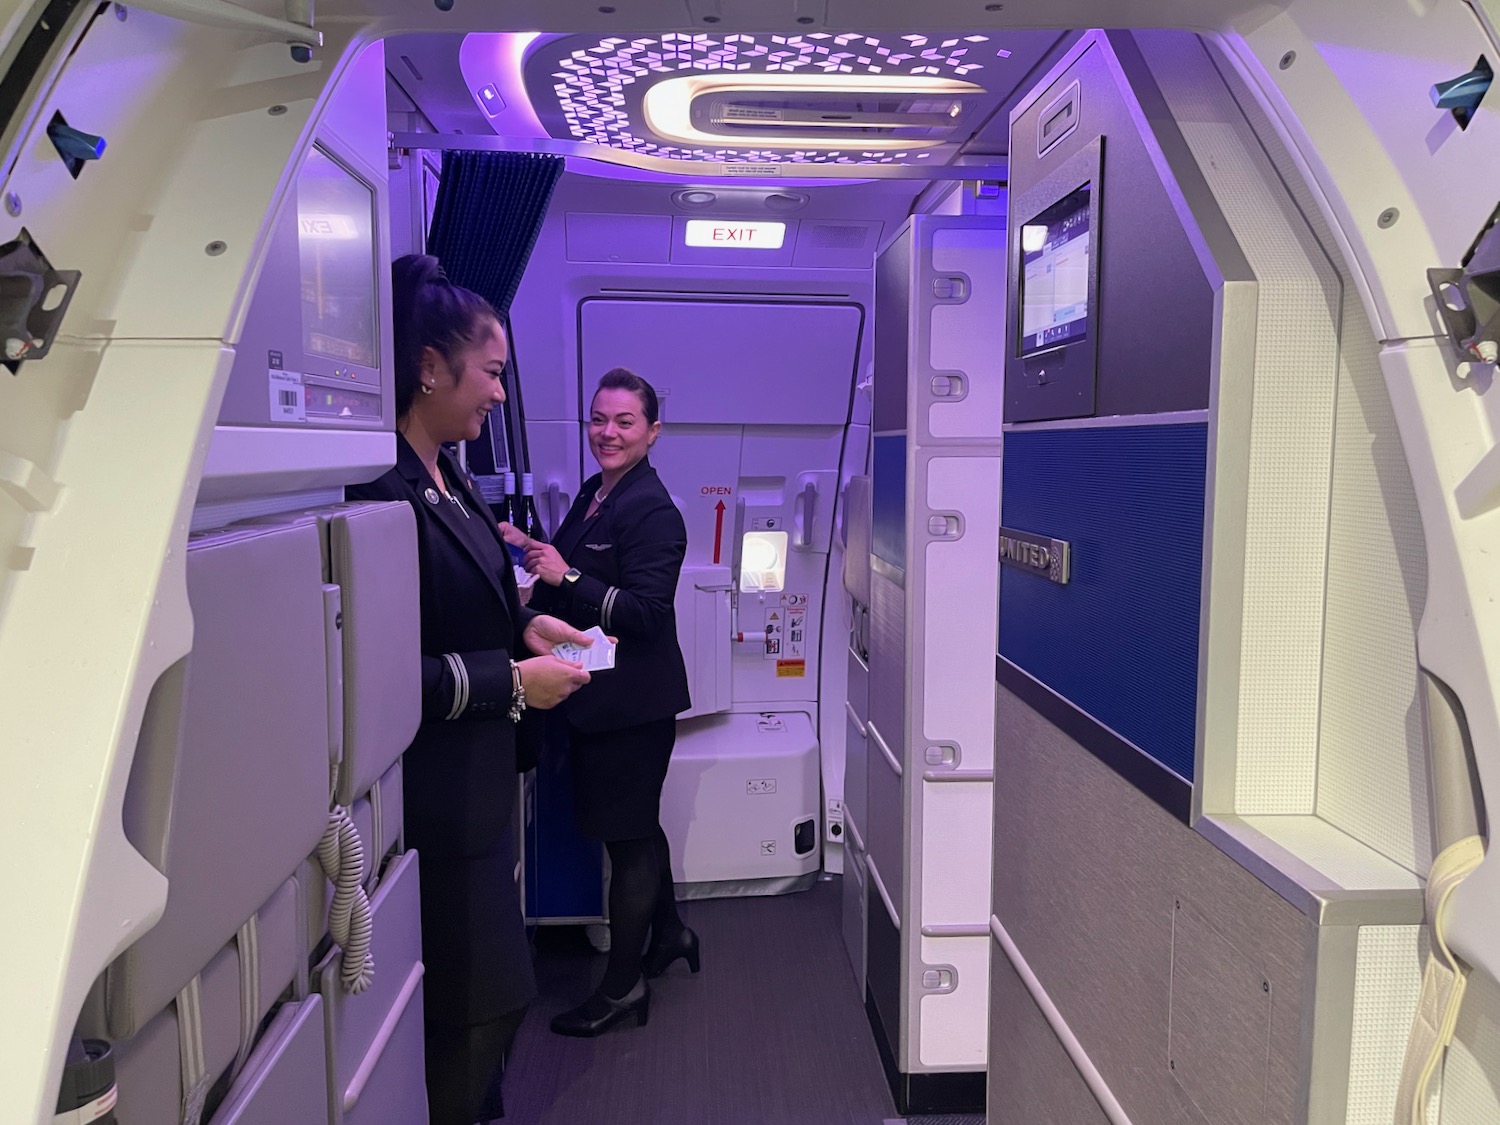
x,y
597,657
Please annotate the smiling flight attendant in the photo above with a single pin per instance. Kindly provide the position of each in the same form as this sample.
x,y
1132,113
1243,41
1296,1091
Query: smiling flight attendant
x,y
480,683
614,563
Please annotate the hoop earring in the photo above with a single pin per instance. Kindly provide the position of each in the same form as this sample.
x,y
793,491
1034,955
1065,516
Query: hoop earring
x,y
426,390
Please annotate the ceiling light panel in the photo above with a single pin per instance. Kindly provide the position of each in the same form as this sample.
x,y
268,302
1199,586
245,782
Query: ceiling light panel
x,y
595,89
879,112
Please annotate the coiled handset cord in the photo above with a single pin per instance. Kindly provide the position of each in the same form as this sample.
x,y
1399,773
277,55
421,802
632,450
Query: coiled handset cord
x,y
342,857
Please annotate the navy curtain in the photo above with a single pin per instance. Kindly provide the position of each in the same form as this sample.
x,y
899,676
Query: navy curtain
x,y
489,211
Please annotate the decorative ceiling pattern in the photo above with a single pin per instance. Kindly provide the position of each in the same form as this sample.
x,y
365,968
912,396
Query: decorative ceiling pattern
x,y
598,88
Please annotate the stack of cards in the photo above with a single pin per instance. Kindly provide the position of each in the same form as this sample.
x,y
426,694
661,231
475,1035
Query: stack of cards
x,y
597,657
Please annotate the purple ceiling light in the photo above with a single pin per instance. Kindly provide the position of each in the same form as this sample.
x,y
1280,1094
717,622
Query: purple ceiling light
x,y
592,89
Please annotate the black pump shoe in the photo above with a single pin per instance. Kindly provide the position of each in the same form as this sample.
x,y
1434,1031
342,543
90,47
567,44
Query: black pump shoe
x,y
599,1013
659,956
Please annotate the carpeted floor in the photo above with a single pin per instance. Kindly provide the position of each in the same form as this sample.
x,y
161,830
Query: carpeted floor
x,y
771,1032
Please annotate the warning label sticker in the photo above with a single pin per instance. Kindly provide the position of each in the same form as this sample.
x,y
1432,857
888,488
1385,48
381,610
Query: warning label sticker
x,y
791,669
786,633
775,632
796,634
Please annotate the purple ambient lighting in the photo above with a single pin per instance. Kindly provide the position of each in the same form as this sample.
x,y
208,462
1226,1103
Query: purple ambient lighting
x,y
598,87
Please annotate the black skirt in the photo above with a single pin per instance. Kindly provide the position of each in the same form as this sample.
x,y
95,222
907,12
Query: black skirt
x,y
617,778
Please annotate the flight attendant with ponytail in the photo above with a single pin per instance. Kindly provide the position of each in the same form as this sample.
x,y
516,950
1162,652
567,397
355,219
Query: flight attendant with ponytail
x,y
486,668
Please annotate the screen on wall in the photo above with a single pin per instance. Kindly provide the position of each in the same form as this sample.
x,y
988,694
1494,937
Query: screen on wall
x,y
336,246
1055,249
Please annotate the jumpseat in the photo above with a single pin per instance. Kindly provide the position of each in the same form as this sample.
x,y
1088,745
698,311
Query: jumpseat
x,y
300,693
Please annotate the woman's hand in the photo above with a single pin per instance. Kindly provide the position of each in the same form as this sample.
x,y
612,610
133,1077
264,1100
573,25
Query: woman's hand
x,y
548,680
544,632
543,560
540,559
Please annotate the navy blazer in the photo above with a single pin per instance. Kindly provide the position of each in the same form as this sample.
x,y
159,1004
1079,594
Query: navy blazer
x,y
459,781
630,556
461,768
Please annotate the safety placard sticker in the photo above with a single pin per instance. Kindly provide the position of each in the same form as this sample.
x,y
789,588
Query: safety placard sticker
x,y
796,633
287,402
786,635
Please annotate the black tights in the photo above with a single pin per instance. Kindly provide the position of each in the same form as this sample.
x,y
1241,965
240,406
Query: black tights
x,y
641,900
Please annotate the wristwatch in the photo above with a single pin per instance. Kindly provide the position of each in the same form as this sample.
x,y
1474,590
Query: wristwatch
x,y
571,575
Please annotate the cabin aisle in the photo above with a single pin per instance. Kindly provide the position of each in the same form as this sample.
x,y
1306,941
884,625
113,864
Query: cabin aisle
x,y
771,1032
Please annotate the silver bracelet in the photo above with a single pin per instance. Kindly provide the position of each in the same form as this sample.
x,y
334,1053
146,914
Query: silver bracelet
x,y
518,693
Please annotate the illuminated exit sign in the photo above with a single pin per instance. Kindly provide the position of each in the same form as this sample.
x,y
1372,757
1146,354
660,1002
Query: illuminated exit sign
x,y
742,236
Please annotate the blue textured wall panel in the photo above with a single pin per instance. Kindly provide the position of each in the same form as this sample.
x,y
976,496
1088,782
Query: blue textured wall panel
x,y
1120,640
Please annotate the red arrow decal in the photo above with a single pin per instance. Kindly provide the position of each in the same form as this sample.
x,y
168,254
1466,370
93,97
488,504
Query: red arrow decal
x,y
718,529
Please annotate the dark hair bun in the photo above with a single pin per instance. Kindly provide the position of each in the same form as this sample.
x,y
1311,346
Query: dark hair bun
x,y
430,312
409,275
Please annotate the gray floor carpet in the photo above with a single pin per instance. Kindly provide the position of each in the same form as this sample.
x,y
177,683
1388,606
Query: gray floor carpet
x,y
771,1032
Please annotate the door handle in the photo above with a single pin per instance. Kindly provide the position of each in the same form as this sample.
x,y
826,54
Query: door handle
x,y
807,506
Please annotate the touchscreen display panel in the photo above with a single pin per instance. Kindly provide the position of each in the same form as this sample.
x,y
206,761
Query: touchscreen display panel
x,y
1055,249
336,242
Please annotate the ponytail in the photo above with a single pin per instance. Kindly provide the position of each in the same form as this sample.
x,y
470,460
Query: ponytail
x,y
431,312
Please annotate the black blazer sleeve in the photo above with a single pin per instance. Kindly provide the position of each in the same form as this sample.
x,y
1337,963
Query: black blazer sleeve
x,y
649,547
466,685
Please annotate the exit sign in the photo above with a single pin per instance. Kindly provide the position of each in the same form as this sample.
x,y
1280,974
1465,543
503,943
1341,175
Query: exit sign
x,y
735,236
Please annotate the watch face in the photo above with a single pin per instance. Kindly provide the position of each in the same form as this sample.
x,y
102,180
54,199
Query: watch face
x,y
572,574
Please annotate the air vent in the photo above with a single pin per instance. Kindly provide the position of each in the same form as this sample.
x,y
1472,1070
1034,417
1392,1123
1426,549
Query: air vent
x,y
784,201
696,198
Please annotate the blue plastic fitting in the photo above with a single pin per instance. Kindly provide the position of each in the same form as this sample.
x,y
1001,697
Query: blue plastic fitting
x,y
75,144
1464,92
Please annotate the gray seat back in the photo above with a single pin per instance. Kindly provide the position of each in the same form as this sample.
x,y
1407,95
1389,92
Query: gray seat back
x,y
228,791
